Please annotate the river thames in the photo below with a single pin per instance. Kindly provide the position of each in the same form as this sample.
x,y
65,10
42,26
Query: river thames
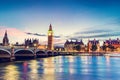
x,y
62,68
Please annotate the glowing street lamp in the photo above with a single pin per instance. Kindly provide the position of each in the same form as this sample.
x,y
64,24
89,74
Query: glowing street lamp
x,y
11,46
12,50
27,47
34,45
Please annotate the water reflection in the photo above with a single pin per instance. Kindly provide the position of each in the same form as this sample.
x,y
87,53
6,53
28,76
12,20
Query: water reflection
x,y
107,60
11,73
24,76
49,69
33,73
48,66
63,68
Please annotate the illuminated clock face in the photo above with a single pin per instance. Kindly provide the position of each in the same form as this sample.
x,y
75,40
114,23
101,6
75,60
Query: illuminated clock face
x,y
49,34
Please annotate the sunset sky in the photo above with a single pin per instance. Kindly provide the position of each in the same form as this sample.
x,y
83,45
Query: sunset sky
x,y
86,19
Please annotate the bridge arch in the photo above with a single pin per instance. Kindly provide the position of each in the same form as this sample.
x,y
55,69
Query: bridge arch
x,y
49,53
4,55
41,53
55,53
5,51
24,50
24,53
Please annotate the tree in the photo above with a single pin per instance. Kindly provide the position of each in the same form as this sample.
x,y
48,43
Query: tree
x,y
94,47
104,47
78,47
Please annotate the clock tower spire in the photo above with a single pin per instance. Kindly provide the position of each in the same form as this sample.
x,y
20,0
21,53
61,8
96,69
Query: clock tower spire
x,y
50,38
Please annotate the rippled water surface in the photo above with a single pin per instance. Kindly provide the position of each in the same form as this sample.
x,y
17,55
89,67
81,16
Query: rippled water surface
x,y
63,68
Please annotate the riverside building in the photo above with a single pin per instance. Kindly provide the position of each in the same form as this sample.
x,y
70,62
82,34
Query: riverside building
x,y
74,46
93,45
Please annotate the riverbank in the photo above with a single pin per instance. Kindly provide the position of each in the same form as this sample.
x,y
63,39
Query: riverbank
x,y
59,54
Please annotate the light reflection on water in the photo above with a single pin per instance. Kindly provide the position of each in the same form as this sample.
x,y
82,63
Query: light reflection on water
x,y
63,68
10,71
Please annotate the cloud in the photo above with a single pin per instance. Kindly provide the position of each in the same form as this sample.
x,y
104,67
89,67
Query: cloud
x,y
92,31
57,36
105,30
11,32
59,42
14,34
101,35
36,34
95,34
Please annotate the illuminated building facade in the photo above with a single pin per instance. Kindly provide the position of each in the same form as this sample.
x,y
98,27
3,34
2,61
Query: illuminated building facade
x,y
5,39
74,45
58,48
50,38
112,44
42,47
93,45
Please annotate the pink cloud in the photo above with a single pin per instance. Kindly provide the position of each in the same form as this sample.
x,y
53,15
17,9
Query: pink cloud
x,y
12,32
16,35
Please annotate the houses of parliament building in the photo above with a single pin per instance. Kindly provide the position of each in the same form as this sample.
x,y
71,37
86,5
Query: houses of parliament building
x,y
32,42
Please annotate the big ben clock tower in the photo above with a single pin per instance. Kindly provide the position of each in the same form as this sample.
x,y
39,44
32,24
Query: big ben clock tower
x,y
50,38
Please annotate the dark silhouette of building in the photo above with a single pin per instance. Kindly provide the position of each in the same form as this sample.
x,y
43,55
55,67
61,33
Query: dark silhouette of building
x,y
50,38
31,42
5,39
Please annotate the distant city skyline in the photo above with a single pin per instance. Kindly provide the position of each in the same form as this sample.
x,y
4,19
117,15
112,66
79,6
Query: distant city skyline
x,y
86,19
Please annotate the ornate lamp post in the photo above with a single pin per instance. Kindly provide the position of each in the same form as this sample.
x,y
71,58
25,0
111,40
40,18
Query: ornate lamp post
x,y
35,47
12,51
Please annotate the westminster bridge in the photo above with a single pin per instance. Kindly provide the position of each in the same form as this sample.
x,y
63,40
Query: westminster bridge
x,y
26,53
18,53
